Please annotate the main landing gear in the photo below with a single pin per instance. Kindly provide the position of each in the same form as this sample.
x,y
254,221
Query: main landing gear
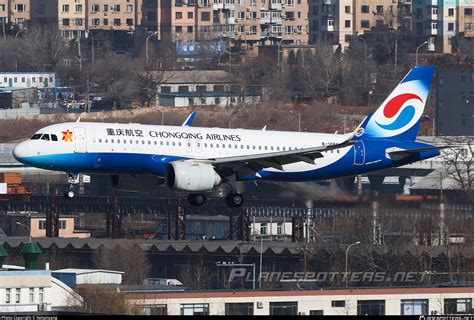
x,y
73,180
233,199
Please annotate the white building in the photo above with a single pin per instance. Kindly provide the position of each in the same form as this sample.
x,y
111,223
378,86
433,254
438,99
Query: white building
x,y
40,80
34,290
374,301
91,276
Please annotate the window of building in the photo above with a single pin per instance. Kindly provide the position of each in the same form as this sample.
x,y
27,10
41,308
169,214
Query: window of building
x,y
106,22
347,9
129,7
41,295
129,22
365,24
182,89
95,8
239,309
414,307
316,312
338,303
106,7
347,23
364,9
451,12
154,310
371,307
279,225
263,228
178,3
190,15
2,7
190,29
468,12
450,26
78,7
165,89
78,22
95,22
379,9
32,295
116,7
42,225
20,8
8,297
200,88
178,15
192,309
289,308
17,295
459,305
62,223
116,22
205,16
65,8
178,29
468,26
218,88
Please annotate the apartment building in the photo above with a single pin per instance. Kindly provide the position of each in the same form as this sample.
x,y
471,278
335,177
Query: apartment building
x,y
20,12
77,16
251,21
4,9
336,22
444,20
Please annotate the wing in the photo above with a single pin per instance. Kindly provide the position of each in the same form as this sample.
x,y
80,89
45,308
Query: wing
x,y
251,164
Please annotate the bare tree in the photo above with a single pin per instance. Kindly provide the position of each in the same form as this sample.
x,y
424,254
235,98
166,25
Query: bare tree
x,y
195,275
103,300
129,259
460,162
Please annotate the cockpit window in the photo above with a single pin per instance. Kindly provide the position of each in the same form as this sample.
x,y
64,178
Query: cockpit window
x,y
36,136
54,137
45,137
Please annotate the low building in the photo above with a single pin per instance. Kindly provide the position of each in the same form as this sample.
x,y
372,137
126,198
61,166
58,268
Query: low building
x,y
184,88
27,79
74,277
37,224
34,290
380,301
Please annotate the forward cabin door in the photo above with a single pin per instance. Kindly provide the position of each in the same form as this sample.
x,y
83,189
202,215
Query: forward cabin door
x,y
80,140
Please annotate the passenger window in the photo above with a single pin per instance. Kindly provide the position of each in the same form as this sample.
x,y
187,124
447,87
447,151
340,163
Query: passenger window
x,y
124,141
236,146
179,144
112,140
241,146
284,148
45,137
278,148
205,145
143,141
271,148
173,143
136,141
212,146
217,145
266,148
253,147
55,137
259,147
106,141
161,143
154,142
167,143
36,136
149,142
131,141
100,140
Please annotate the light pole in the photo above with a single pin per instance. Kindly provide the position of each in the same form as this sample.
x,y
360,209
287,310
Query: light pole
x,y
347,250
432,123
146,44
416,54
260,267
24,225
88,32
231,115
16,35
278,56
299,118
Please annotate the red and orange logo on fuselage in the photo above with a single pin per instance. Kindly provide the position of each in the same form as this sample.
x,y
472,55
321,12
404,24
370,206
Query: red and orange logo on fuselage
x,y
67,136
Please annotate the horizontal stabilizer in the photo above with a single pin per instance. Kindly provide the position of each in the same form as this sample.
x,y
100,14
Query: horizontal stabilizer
x,y
396,154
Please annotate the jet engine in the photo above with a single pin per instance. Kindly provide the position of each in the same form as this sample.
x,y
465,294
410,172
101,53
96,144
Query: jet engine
x,y
191,176
135,183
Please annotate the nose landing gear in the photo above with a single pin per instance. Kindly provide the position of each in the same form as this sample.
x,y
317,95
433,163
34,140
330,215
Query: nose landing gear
x,y
73,180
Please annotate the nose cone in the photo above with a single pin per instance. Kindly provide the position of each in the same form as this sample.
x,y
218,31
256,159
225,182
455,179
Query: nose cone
x,y
20,152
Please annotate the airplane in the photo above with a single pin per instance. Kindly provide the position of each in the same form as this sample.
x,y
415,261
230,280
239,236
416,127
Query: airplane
x,y
142,157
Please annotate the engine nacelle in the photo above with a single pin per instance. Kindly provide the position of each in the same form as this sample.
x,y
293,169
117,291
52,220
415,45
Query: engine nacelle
x,y
135,183
191,176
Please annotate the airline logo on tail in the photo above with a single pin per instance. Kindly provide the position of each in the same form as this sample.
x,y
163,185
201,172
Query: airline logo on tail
x,y
399,115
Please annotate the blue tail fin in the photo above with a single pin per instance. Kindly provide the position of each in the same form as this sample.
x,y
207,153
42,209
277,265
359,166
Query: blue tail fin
x,y
399,116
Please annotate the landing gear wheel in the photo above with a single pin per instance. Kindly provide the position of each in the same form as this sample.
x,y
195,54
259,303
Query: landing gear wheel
x,y
196,199
69,194
234,200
